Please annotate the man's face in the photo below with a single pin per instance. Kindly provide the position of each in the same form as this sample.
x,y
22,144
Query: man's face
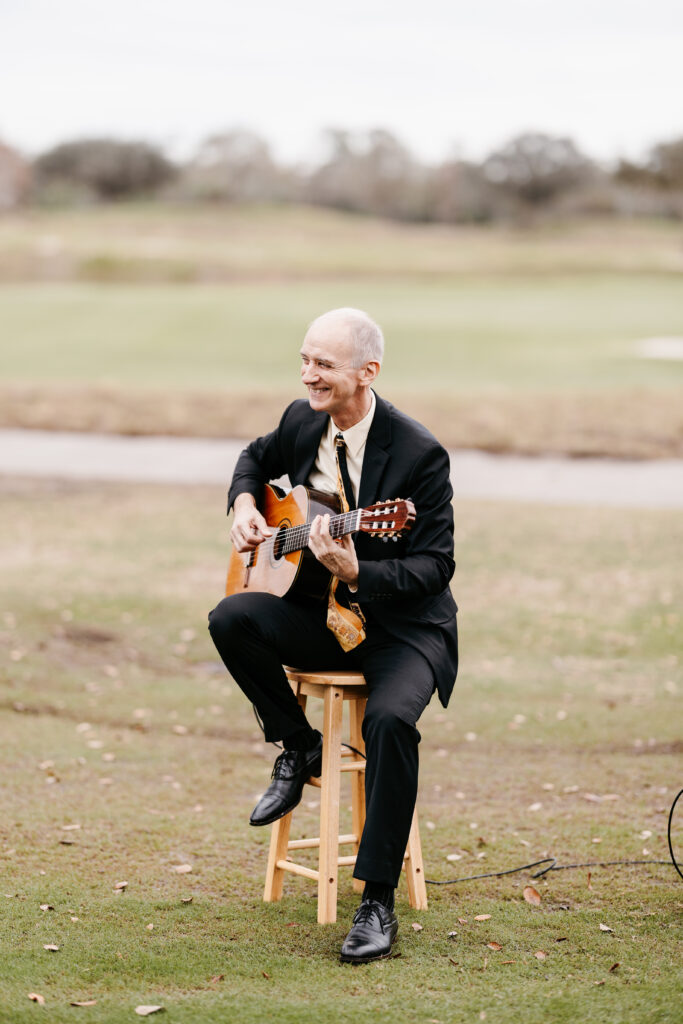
x,y
334,385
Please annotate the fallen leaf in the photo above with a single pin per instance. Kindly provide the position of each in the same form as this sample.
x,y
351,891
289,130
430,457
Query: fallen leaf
x,y
535,806
51,948
592,798
35,998
453,935
614,967
508,961
150,927
416,927
46,906
74,919
84,1002
562,938
144,1011
588,881
66,842
494,945
182,869
483,917
454,962
265,975
605,928
599,982
532,895
217,977
454,856
120,886
70,828
462,920
186,899
540,955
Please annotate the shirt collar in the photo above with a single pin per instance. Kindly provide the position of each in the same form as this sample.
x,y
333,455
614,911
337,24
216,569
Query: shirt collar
x,y
356,436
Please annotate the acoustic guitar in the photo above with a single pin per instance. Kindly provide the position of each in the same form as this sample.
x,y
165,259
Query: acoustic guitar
x,y
284,563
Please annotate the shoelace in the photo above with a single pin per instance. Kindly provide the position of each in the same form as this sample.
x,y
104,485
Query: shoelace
x,y
366,911
284,765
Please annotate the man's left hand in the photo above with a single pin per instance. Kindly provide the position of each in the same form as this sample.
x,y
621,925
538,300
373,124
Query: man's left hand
x,y
339,556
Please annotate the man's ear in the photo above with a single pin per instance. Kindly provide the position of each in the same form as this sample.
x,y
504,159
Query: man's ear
x,y
369,372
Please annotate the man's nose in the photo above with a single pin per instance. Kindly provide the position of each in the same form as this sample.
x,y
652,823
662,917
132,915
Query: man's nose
x,y
309,374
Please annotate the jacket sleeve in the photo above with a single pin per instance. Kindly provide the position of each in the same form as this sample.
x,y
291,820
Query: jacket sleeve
x,y
428,563
261,461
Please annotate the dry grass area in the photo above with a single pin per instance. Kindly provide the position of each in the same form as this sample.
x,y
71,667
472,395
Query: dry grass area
x,y
641,424
154,243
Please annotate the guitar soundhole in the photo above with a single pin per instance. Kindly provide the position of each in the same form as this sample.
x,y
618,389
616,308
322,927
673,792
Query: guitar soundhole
x,y
279,542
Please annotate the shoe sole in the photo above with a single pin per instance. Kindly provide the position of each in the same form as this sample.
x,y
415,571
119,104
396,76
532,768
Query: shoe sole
x,y
363,959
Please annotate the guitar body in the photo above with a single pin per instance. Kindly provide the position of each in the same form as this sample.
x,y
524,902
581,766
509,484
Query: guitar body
x,y
263,571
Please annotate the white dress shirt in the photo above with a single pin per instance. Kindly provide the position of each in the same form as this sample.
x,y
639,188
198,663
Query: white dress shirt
x,y
324,474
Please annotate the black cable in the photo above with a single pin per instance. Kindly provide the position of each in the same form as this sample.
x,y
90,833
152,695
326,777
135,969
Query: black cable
x,y
554,866
671,849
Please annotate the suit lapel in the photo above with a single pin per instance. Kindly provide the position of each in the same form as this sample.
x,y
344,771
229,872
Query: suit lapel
x,y
307,444
376,453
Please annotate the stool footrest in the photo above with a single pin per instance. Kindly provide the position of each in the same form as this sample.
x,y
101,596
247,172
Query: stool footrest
x,y
298,869
307,844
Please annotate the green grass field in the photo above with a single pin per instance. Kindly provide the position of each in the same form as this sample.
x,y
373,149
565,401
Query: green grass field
x,y
125,751
513,339
530,334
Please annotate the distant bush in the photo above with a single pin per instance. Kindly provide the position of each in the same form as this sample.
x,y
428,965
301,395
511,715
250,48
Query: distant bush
x,y
536,168
103,168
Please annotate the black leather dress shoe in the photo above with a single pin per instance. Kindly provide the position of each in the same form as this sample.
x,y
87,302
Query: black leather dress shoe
x,y
290,772
371,937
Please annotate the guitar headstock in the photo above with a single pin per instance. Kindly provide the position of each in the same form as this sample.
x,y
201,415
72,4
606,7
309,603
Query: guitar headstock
x,y
388,519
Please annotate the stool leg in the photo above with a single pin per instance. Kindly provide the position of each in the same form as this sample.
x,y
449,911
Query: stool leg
x,y
415,874
329,806
279,838
356,715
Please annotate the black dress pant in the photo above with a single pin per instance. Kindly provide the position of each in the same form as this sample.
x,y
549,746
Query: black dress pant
x,y
255,634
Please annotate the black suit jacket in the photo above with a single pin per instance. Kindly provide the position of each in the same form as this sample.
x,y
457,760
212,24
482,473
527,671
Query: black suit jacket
x,y
405,585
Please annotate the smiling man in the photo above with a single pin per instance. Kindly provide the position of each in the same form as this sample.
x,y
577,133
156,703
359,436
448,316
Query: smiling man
x,y
346,439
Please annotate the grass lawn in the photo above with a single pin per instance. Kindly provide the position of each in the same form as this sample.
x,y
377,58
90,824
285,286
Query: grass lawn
x,y
501,338
126,751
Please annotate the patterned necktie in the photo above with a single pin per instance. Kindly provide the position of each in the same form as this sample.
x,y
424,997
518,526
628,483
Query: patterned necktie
x,y
347,624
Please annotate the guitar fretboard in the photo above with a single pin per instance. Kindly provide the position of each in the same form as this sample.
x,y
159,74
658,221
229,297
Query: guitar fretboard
x,y
295,538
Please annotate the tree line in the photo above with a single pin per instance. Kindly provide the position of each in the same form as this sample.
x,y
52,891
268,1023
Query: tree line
x,y
369,172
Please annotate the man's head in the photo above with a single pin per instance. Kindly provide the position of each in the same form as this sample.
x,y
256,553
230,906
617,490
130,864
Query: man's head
x,y
342,353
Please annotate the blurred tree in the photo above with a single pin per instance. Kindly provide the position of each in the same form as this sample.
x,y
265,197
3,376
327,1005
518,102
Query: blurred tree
x,y
15,176
234,166
535,168
666,164
458,192
370,172
105,168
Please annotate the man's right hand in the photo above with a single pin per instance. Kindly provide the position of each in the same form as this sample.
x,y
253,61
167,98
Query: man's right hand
x,y
249,528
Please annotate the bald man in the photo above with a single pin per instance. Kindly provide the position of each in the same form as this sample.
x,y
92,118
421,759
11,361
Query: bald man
x,y
408,648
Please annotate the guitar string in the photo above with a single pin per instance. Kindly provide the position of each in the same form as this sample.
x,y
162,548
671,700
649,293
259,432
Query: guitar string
x,y
294,538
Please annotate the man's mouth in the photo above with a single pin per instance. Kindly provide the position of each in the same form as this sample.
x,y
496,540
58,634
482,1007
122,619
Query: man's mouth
x,y
317,391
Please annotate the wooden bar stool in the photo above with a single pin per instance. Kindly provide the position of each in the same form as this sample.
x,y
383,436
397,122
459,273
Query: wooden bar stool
x,y
334,688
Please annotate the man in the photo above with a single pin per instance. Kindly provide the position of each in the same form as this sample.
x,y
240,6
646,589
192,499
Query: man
x,y
408,646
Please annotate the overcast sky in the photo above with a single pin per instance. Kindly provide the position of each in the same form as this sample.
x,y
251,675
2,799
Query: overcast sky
x,y
444,75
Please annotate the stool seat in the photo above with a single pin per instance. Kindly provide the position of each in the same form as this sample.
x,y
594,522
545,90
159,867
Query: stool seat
x,y
335,688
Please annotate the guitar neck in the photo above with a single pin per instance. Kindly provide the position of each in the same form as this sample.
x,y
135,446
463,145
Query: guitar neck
x,y
295,538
